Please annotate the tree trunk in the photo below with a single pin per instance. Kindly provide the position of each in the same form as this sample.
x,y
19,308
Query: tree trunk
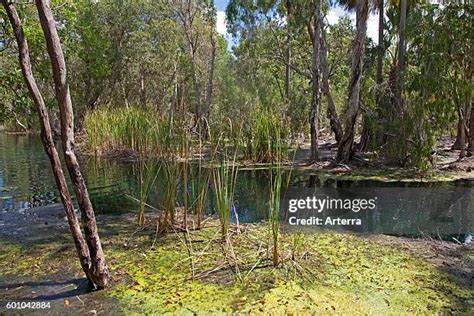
x,y
365,137
142,94
288,53
465,132
48,140
345,148
209,89
381,112
401,53
470,148
331,113
460,126
313,120
462,132
100,273
381,52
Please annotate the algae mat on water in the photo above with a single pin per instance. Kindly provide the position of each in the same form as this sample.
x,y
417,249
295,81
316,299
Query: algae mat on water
x,y
197,273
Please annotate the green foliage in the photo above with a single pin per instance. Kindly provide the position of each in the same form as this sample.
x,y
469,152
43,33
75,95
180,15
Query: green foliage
x,y
165,63
439,46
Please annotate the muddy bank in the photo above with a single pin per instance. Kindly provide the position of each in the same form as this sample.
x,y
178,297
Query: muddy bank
x,y
39,265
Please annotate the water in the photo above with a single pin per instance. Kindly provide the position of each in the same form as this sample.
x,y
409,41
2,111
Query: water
x,y
443,210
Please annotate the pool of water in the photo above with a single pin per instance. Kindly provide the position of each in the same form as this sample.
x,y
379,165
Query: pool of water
x,y
443,210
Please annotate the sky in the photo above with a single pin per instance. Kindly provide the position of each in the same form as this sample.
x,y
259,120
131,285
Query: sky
x,y
333,17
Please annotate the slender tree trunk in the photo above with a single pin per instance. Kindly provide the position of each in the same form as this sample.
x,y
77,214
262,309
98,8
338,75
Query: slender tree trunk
x,y
100,273
288,53
466,132
381,112
209,88
48,140
462,136
313,119
459,132
345,148
142,93
331,113
381,52
401,53
470,148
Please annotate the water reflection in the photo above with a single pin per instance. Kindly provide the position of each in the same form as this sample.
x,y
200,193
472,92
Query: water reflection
x,y
26,181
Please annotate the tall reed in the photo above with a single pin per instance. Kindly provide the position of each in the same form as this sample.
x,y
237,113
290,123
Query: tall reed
x,y
199,188
269,137
277,183
148,171
172,176
274,209
135,129
225,179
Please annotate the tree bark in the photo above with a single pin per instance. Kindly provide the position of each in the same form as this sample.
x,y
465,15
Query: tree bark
x,y
381,112
465,132
345,148
142,94
365,136
209,88
288,53
460,126
48,140
401,53
331,112
381,51
470,148
313,119
462,132
99,270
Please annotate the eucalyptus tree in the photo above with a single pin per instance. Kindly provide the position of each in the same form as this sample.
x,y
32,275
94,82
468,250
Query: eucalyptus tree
x,y
294,32
315,31
381,48
439,47
401,54
332,115
470,148
89,248
197,20
345,148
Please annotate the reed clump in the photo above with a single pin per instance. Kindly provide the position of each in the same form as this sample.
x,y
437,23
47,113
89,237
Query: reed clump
x,y
136,129
269,137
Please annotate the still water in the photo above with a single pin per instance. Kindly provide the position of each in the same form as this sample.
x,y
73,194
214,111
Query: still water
x,y
443,210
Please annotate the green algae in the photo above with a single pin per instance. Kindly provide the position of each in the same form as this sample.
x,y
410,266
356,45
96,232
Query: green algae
x,y
344,273
35,260
331,273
